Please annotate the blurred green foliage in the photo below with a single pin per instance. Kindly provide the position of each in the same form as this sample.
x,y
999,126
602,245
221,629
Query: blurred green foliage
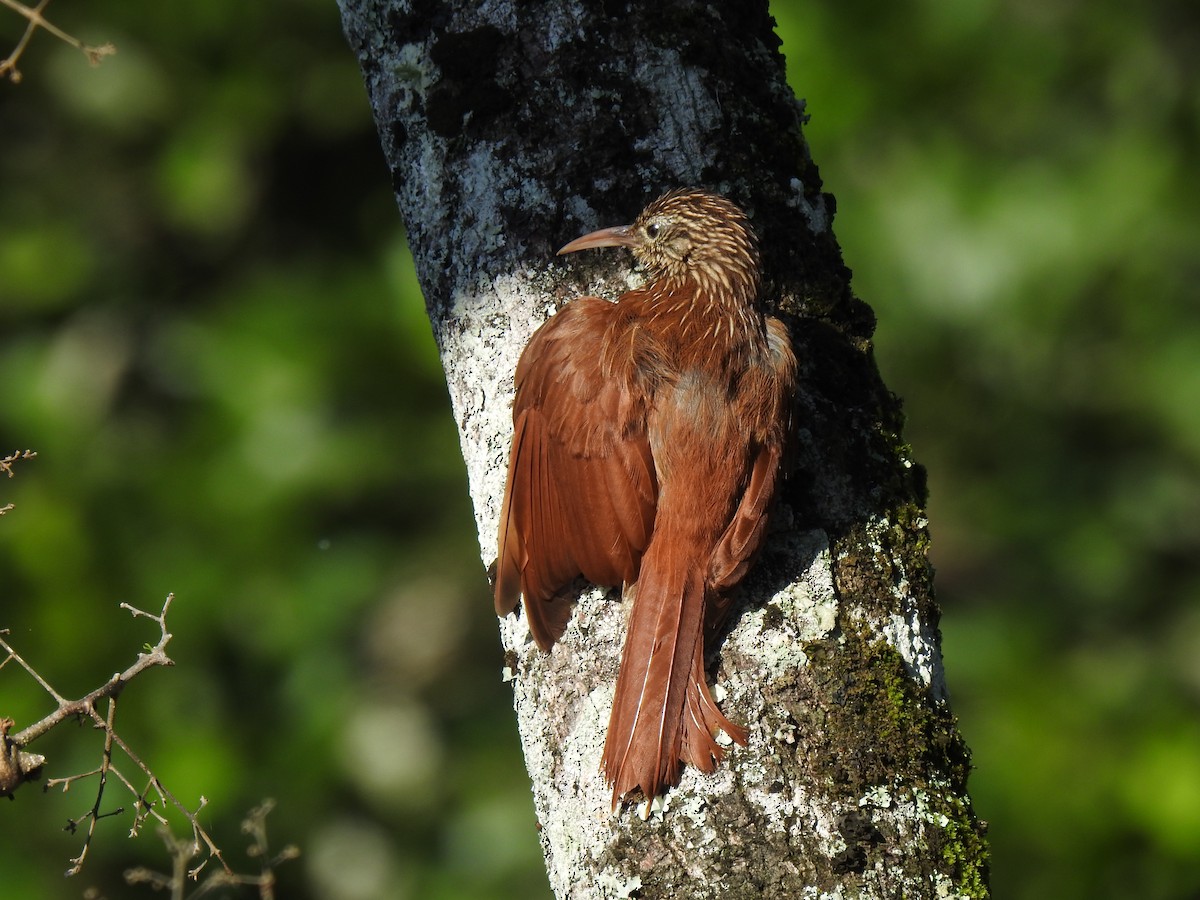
x,y
210,332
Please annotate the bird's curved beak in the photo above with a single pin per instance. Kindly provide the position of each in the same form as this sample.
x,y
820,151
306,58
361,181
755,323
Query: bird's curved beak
x,y
617,236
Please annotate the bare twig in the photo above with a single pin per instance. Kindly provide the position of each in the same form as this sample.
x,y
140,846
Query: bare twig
x,y
6,464
182,852
86,705
255,825
35,20
149,800
94,815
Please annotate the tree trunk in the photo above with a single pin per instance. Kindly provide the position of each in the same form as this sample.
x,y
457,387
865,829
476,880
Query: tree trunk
x,y
510,128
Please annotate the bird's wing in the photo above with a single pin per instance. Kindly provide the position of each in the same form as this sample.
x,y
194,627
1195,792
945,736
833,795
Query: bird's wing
x,y
581,489
772,382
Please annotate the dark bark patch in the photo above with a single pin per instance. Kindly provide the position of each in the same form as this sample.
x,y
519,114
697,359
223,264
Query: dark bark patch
x,y
468,96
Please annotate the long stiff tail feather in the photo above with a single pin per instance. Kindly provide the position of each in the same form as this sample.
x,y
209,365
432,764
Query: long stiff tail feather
x,y
702,720
662,710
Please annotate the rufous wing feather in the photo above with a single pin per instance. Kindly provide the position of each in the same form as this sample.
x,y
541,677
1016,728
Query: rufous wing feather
x,y
581,492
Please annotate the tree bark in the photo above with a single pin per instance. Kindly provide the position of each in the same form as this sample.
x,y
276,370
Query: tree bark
x,y
510,128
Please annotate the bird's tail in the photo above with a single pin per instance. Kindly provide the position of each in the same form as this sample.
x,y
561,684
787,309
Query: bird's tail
x,y
662,710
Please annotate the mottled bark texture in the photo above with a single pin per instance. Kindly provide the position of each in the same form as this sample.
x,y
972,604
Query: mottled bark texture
x,y
510,128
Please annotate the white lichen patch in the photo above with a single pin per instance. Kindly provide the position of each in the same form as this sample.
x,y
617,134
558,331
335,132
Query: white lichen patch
x,y
617,886
915,644
913,638
676,88
813,893
562,707
803,610
909,811
815,213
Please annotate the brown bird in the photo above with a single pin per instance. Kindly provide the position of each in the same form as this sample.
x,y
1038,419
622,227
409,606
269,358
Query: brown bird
x,y
646,446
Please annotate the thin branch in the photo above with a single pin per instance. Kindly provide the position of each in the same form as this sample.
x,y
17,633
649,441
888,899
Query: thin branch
x,y
199,835
86,705
94,815
13,655
181,852
6,463
17,767
256,826
35,20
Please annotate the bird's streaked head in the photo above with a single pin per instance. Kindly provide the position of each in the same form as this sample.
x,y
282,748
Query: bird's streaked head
x,y
687,234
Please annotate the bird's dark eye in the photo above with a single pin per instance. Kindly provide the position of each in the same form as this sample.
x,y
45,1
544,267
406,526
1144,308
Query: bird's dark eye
x,y
652,230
